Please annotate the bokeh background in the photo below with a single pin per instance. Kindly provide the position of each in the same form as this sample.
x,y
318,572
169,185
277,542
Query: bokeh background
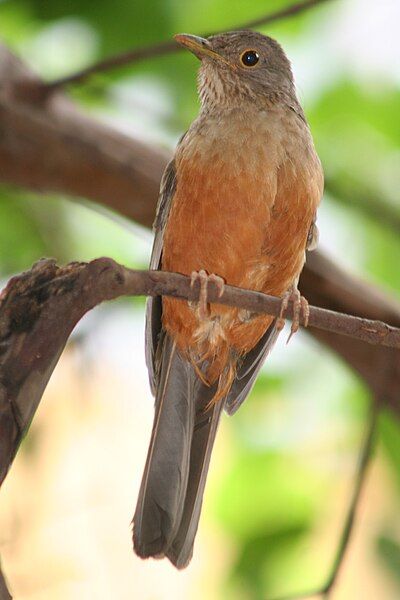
x,y
283,467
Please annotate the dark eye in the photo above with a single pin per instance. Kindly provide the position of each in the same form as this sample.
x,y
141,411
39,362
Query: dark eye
x,y
250,58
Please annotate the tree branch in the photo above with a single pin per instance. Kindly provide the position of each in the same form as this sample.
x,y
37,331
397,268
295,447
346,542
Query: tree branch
x,y
384,211
364,461
82,157
325,590
326,285
168,46
40,308
4,593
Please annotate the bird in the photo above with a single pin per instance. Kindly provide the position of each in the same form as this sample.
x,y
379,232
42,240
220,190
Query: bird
x,y
237,205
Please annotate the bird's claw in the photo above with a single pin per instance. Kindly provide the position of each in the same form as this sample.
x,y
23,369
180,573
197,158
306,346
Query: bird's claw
x,y
204,278
300,310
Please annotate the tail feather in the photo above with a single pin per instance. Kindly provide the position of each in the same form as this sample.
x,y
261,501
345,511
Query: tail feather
x,y
163,488
206,425
171,492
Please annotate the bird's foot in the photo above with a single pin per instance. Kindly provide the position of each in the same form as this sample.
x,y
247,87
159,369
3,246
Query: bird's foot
x,y
204,278
300,309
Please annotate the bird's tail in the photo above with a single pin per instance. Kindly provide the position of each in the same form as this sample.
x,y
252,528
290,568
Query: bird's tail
x,y
171,492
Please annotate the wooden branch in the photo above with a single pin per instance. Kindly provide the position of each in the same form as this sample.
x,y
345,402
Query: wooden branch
x,y
167,47
54,147
4,593
382,210
326,285
325,590
40,308
348,526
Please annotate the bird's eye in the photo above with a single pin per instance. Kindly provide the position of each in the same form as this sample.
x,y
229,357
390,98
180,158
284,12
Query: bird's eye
x,y
249,58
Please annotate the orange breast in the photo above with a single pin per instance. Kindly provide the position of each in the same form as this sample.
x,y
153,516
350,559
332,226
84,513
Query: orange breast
x,y
244,218
218,221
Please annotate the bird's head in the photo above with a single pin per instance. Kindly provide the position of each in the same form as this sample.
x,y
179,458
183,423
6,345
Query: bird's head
x,y
240,66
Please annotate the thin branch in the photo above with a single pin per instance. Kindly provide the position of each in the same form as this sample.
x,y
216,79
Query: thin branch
x,y
174,284
324,591
154,283
113,62
40,308
364,461
167,47
289,11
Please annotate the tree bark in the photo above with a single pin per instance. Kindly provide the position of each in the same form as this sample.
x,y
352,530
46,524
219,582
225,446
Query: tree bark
x,y
4,592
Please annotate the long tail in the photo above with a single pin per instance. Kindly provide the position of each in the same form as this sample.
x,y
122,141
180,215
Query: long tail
x,y
171,492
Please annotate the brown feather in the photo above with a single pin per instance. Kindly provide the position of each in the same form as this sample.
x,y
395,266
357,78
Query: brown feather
x,y
244,223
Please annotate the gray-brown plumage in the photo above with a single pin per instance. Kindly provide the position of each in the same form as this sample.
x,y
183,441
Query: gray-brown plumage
x,y
239,200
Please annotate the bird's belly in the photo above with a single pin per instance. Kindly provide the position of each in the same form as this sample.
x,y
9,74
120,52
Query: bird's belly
x,y
218,224
222,222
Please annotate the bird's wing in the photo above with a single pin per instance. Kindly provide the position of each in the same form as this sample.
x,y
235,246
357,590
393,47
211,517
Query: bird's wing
x,y
249,368
154,305
185,425
184,429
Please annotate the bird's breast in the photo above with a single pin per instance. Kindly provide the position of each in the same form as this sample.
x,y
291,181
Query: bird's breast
x,y
221,208
242,209
227,202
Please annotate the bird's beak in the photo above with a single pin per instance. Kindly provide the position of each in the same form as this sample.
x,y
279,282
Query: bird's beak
x,y
199,46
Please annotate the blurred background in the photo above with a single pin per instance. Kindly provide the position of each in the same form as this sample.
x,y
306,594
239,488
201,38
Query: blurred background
x,y
283,467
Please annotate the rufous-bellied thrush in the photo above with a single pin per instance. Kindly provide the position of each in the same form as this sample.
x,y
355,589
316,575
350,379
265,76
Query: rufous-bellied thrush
x,y
238,205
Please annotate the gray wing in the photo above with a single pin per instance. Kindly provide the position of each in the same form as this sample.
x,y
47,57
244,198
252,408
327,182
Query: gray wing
x,y
249,368
154,305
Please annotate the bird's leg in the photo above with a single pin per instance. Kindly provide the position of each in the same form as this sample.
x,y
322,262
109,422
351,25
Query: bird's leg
x,y
300,309
204,278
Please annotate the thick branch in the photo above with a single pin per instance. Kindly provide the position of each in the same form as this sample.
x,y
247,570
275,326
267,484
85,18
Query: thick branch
x,y
324,284
380,210
4,593
53,147
40,308
169,46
